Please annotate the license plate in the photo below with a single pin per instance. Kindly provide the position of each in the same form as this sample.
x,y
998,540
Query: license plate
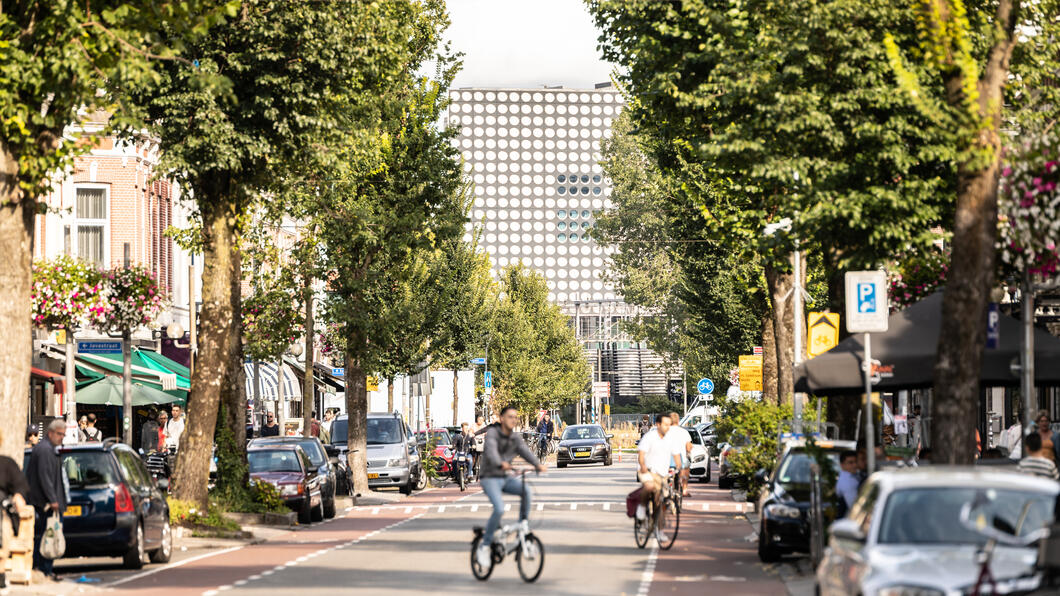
x,y
582,454
72,511
373,476
460,458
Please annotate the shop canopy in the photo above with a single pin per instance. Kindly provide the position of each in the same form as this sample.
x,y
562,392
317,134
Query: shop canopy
x,y
268,390
906,355
108,391
146,368
321,375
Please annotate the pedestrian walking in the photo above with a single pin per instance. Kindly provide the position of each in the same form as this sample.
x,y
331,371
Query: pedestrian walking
x,y
163,422
1050,440
90,433
1037,462
47,488
32,436
847,484
149,432
644,426
175,428
271,429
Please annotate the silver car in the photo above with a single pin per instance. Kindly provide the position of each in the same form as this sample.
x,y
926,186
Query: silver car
x,y
904,535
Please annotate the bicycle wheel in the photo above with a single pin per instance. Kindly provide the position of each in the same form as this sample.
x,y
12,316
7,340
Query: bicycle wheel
x,y
530,558
461,477
677,491
667,523
481,573
642,528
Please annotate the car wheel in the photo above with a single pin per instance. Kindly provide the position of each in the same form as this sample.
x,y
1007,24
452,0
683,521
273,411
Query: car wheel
x,y
406,489
421,480
305,513
318,512
134,557
767,553
164,552
706,477
608,461
329,507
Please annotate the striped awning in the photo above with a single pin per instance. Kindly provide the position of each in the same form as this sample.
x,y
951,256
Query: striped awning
x,y
292,389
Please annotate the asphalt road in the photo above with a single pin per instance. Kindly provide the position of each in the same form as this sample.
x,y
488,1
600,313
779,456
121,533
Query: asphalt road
x,y
421,544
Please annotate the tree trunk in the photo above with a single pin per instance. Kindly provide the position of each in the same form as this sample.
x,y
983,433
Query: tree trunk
x,y
16,247
456,395
962,335
234,392
780,285
390,394
220,233
357,416
309,399
769,359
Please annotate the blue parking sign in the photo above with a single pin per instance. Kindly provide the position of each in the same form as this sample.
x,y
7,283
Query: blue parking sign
x,y
866,297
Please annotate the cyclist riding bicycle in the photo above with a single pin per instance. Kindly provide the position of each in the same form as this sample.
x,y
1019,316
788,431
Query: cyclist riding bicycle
x,y
545,430
656,456
502,445
464,442
682,444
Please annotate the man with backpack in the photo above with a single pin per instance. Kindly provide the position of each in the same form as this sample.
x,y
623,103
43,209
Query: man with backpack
x,y
90,434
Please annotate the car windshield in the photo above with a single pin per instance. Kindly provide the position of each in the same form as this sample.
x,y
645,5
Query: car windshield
x,y
938,509
273,460
89,469
696,440
440,437
795,469
574,433
384,431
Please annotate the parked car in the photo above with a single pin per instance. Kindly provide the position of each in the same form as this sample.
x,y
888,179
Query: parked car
x,y
583,444
443,447
904,535
726,476
393,459
785,499
318,458
116,508
699,467
288,468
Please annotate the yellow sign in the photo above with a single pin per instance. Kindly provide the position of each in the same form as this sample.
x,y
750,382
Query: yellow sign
x,y
823,333
373,383
751,373
60,336
607,409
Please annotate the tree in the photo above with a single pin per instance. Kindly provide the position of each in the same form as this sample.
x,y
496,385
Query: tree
x,y
306,77
536,360
768,110
59,61
969,51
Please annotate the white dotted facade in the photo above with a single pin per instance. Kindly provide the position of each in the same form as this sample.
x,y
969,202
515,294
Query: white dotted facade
x,y
533,156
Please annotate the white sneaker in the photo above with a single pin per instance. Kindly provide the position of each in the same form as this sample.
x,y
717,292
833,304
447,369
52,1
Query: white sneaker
x,y
642,512
660,536
482,556
524,526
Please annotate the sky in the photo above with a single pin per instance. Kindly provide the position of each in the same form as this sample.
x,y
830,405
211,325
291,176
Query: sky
x,y
526,43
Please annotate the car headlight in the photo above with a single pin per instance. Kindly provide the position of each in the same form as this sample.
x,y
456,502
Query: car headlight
x,y
601,447
908,591
396,462
781,510
698,458
448,453
290,490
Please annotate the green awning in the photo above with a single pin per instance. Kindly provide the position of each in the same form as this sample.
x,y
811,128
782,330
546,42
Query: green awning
x,y
108,391
145,369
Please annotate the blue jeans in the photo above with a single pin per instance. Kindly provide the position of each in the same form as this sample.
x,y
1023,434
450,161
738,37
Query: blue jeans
x,y
493,487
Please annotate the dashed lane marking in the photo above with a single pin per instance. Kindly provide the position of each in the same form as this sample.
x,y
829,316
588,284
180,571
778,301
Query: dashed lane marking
x,y
649,570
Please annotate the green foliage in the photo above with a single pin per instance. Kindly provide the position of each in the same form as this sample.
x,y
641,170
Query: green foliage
x,y
234,491
754,424
188,514
273,318
535,357
469,295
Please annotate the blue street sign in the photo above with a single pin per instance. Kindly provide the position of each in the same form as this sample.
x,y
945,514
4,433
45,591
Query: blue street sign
x,y
338,372
866,297
99,347
488,381
705,386
478,361
993,327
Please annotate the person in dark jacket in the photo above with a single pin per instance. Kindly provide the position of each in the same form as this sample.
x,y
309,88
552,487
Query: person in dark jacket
x,y
502,445
149,432
14,490
271,429
47,488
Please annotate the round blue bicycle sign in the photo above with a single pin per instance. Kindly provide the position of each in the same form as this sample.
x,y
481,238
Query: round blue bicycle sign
x,y
705,386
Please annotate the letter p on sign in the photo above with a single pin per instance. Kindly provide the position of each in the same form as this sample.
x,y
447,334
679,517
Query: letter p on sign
x,y
866,298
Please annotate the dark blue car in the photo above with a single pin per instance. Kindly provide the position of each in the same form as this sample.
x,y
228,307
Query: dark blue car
x,y
116,508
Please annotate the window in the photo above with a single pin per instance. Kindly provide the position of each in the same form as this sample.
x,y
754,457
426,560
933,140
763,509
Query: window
x,y
90,224
561,214
562,225
561,178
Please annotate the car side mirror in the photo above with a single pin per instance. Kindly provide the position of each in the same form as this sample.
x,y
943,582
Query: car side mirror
x,y
761,476
610,436
847,529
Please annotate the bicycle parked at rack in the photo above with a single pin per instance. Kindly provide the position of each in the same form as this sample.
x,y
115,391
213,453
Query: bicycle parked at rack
x,y
662,520
510,539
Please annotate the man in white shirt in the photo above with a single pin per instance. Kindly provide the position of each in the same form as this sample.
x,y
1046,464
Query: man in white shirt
x,y
681,441
175,427
847,484
656,456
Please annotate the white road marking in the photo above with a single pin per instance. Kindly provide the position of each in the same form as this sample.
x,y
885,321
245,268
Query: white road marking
x,y
441,508
607,506
408,510
649,570
172,566
375,511
540,506
573,506
474,508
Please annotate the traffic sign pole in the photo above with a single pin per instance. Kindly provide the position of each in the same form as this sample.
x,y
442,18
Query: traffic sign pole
x,y
870,437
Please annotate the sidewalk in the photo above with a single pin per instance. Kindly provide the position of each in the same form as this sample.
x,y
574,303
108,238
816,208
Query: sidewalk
x,y
715,551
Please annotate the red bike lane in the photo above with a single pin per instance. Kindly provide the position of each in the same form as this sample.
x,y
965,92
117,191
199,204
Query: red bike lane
x,y
712,552
228,567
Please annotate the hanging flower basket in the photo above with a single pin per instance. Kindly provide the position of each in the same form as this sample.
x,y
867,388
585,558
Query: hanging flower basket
x,y
1029,207
68,293
134,298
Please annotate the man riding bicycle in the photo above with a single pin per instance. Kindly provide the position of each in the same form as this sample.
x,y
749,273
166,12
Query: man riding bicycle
x,y
502,445
656,456
682,445
545,430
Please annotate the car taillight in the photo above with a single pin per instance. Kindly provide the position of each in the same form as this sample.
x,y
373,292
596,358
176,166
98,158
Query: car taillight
x,y
123,502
